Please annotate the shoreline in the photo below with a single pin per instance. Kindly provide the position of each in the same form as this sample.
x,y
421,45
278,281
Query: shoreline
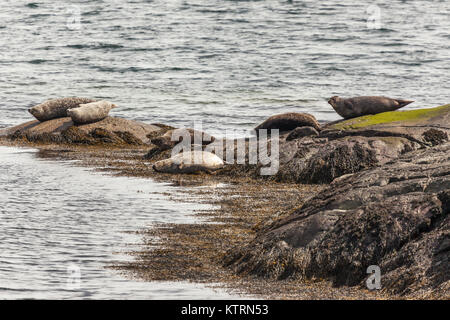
x,y
342,199
194,251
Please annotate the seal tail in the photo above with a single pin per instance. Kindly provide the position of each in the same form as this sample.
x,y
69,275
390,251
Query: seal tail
x,y
402,103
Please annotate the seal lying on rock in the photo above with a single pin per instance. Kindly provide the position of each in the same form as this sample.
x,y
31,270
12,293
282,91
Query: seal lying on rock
x,y
189,162
90,112
289,121
301,132
172,137
360,106
56,108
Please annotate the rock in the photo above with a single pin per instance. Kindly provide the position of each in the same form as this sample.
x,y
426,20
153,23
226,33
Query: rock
x,y
128,138
358,144
189,162
289,121
395,216
301,132
435,136
77,136
135,131
174,136
162,140
105,136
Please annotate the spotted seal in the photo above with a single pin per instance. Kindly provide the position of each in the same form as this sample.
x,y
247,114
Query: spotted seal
x,y
364,105
289,121
56,108
90,112
189,162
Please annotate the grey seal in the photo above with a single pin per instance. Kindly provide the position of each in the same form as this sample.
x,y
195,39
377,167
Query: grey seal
x,y
364,105
90,112
289,121
189,162
56,108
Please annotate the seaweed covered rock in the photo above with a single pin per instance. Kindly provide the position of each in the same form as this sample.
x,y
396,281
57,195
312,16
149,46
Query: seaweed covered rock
x,y
62,130
128,138
35,137
301,132
395,216
435,136
104,136
75,135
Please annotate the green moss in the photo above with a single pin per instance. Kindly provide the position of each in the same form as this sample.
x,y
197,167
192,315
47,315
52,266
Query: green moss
x,y
392,116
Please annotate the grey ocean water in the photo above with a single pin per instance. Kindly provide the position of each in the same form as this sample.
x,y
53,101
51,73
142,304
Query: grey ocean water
x,y
61,225
230,64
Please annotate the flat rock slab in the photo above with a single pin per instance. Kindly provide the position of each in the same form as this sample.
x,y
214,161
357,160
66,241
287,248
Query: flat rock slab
x,y
138,129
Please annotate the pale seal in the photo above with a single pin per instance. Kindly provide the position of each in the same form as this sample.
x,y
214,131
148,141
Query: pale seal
x,y
189,162
172,137
56,108
360,106
90,112
289,121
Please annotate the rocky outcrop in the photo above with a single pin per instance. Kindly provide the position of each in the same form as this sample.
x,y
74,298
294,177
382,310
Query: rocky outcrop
x,y
353,145
387,204
395,216
110,130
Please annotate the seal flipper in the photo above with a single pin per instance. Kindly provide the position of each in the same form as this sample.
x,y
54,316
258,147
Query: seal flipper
x,y
402,103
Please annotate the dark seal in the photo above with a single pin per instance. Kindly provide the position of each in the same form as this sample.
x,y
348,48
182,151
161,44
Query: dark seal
x,y
289,121
361,106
